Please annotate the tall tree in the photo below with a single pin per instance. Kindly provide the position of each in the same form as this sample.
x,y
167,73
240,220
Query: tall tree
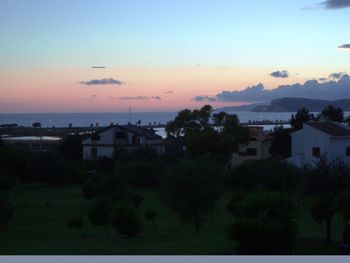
x,y
324,185
332,113
303,115
191,189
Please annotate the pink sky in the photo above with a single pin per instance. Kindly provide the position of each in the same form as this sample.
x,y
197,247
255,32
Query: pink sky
x,y
60,90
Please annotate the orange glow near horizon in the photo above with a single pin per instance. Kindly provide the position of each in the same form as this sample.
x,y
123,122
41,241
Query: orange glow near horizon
x,y
60,90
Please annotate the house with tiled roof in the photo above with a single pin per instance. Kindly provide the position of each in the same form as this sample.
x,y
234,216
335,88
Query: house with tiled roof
x,y
258,147
320,138
107,141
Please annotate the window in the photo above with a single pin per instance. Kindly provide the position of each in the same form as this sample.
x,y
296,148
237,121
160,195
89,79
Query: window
x,y
348,151
252,152
316,152
93,152
120,136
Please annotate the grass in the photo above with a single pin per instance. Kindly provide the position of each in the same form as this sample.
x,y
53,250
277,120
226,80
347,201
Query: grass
x,y
38,227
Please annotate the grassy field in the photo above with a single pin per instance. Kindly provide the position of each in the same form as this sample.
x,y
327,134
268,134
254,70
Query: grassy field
x,y
38,227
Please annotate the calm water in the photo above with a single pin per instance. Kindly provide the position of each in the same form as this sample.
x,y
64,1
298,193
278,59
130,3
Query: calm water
x,y
103,119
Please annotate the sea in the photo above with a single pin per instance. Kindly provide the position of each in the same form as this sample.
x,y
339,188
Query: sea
x,y
50,120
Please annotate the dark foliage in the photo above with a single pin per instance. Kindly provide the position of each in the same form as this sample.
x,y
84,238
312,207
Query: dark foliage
x,y
263,223
332,113
271,174
75,223
71,147
191,189
303,115
6,182
281,143
126,219
6,211
101,185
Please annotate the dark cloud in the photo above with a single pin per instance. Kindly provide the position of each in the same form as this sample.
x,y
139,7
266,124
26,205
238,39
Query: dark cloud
x,y
338,75
336,4
328,89
140,98
95,82
204,98
93,96
280,74
345,46
169,92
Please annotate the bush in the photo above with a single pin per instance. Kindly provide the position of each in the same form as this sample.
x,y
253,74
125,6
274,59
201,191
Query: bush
x,y
101,185
99,213
150,214
263,236
263,223
75,223
126,219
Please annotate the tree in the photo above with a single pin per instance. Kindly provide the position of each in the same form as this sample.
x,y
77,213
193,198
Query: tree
x,y
101,185
36,125
6,211
303,115
263,223
126,219
75,223
324,185
150,214
191,189
332,113
99,213
281,145
71,147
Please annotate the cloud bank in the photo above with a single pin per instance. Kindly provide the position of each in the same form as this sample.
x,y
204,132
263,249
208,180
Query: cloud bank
x,y
336,4
345,46
280,74
96,82
337,86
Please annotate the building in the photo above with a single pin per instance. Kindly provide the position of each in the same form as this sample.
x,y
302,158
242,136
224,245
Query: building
x,y
320,138
107,141
258,148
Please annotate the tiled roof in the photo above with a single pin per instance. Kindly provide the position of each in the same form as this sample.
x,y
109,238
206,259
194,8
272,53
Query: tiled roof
x,y
331,128
149,134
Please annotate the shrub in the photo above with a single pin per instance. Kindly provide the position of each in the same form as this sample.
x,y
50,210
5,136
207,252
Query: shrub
x,y
6,211
99,213
150,214
126,219
101,185
75,223
6,182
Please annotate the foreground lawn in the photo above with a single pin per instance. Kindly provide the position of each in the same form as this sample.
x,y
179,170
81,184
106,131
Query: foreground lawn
x,y
38,227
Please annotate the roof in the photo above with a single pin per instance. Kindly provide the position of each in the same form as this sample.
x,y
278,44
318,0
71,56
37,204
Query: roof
x,y
331,128
149,134
258,133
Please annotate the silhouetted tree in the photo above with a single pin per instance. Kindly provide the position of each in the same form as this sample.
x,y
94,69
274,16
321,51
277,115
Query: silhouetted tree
x,y
281,143
324,185
6,211
263,223
303,115
126,219
71,147
191,189
36,125
332,113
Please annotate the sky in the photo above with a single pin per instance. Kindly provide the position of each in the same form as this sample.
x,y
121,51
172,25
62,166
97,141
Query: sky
x,y
168,55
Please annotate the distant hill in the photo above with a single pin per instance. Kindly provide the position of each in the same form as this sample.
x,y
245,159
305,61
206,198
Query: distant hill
x,y
249,107
294,104
289,105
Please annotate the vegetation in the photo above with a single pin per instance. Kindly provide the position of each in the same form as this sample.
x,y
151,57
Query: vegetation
x,y
191,189
332,113
126,219
303,115
325,185
76,223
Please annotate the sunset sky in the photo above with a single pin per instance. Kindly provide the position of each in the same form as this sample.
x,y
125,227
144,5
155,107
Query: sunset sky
x,y
167,55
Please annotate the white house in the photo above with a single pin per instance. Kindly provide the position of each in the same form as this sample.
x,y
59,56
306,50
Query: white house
x,y
130,137
320,138
258,147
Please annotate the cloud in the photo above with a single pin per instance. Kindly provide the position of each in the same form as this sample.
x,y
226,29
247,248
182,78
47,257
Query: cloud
x,y
169,92
280,74
95,82
338,75
204,98
93,96
328,89
140,98
345,46
336,4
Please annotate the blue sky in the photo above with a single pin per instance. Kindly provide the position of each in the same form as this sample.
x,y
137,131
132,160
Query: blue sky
x,y
77,33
